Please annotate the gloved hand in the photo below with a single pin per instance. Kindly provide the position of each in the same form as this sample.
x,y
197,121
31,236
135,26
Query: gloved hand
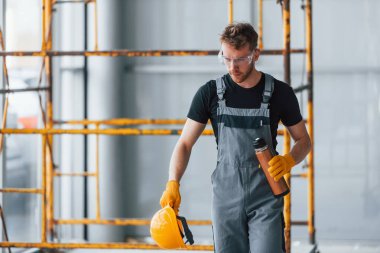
x,y
280,165
171,196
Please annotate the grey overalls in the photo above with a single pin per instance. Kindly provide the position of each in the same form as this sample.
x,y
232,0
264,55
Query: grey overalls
x,y
246,216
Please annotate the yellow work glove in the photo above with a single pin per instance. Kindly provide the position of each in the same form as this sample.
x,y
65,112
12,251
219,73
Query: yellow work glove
x,y
280,165
171,196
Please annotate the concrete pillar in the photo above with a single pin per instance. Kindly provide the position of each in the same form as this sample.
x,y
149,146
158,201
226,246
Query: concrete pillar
x,y
104,102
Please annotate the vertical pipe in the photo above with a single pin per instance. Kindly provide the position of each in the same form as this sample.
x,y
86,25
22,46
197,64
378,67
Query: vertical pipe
x,y
261,13
6,77
4,122
5,69
310,121
286,33
287,198
97,176
49,109
230,11
44,192
43,26
44,198
85,84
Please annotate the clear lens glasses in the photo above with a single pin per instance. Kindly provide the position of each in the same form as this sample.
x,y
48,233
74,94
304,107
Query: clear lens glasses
x,y
241,61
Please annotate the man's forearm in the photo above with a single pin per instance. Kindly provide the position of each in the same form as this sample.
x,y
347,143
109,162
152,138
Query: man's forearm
x,y
179,161
300,149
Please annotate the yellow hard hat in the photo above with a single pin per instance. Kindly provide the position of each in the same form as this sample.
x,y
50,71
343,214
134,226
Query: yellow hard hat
x,y
166,229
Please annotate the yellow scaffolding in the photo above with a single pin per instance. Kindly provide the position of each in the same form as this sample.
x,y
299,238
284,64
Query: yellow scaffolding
x,y
49,172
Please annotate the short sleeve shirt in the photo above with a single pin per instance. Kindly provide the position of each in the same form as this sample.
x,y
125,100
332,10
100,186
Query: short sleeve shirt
x,y
283,103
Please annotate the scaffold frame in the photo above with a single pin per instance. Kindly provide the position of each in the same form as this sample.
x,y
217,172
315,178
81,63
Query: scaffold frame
x,y
48,172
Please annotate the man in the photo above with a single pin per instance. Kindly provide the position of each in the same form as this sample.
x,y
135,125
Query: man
x,y
242,105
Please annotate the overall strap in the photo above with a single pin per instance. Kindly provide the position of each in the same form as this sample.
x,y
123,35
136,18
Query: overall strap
x,y
268,90
220,89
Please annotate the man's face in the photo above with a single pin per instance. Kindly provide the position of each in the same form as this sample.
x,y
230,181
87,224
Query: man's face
x,y
239,62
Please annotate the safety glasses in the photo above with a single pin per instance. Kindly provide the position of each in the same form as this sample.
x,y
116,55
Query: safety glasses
x,y
241,61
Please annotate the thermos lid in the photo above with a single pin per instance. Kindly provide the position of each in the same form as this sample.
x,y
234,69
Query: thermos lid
x,y
259,143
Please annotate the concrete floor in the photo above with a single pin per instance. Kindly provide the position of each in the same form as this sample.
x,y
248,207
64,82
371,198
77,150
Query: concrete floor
x,y
297,247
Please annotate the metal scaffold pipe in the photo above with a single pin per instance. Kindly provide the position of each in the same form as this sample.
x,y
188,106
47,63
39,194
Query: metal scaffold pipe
x,y
287,142
22,190
135,53
6,103
44,195
5,91
230,11
112,131
72,1
121,222
53,245
74,174
122,121
261,13
96,25
310,74
47,45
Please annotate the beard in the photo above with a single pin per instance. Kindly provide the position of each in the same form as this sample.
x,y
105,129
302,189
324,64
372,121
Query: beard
x,y
239,77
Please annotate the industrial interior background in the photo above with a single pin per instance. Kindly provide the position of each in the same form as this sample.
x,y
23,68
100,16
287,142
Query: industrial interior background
x,y
134,169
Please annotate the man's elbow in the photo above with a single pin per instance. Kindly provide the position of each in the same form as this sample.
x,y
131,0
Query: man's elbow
x,y
184,145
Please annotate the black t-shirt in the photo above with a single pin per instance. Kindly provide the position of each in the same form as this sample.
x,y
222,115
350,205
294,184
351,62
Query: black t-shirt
x,y
283,103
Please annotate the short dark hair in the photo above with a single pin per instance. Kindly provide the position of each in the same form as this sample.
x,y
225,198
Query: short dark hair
x,y
239,34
